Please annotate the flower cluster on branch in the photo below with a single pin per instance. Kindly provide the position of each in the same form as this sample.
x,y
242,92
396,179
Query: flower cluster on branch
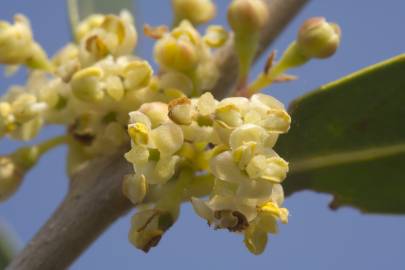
x,y
180,135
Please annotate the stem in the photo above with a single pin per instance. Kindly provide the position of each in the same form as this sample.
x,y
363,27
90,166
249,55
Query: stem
x,y
265,80
245,48
95,199
47,145
73,16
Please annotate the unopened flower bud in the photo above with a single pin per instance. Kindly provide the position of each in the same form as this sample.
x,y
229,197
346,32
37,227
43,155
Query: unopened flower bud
x,y
206,104
181,111
179,49
10,178
148,226
178,54
318,38
137,74
86,86
134,188
114,87
196,11
247,15
13,169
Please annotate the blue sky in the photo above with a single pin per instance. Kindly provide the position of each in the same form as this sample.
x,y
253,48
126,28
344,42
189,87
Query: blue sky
x,y
315,238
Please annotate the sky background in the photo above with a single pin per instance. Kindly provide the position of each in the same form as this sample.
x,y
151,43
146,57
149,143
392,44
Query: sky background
x,y
315,238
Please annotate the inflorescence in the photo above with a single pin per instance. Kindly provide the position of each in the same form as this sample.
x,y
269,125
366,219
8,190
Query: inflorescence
x,y
184,143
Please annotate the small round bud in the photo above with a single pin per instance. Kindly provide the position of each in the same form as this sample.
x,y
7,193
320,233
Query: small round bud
x,y
134,187
13,168
181,111
114,87
318,38
86,84
247,15
179,54
10,178
138,74
196,11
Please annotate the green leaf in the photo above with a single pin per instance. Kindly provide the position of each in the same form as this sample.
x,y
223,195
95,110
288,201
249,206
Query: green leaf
x,y
8,245
80,9
348,139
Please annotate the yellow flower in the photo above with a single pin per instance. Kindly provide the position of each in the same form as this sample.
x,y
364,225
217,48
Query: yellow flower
x,y
101,35
18,47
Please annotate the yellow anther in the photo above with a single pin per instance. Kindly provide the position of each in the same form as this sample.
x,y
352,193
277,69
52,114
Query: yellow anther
x,y
139,133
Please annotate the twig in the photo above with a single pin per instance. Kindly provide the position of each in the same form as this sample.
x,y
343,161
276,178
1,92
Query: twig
x,y
95,199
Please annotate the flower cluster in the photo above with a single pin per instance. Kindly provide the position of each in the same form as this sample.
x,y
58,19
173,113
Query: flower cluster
x,y
230,139
91,85
184,143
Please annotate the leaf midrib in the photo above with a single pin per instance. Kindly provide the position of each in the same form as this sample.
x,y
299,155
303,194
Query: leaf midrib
x,y
339,158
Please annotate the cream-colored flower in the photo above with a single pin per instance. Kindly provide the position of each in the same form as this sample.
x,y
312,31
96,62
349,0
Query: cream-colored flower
x,y
167,138
106,35
18,47
273,169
